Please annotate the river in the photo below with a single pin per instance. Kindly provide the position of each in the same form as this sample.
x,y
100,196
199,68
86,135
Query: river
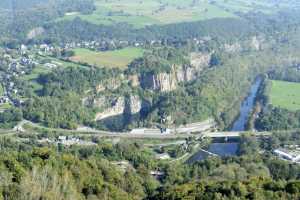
x,y
246,107
230,148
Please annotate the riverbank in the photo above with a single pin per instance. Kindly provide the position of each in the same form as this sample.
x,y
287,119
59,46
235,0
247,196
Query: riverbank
x,y
247,106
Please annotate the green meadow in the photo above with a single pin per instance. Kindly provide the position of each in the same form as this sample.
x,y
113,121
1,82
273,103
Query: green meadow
x,y
1,90
117,58
285,95
149,12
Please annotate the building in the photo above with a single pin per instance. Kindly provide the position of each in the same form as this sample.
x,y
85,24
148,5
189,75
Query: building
x,y
291,155
163,156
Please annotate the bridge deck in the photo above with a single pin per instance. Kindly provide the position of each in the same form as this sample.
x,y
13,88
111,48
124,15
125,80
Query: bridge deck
x,y
233,134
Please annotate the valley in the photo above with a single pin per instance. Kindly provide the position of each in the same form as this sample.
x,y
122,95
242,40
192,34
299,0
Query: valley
x,y
155,12
149,100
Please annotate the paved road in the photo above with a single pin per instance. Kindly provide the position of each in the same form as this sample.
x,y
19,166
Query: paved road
x,y
179,142
196,127
148,133
155,135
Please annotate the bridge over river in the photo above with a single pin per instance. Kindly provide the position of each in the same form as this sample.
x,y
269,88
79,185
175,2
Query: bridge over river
x,y
232,134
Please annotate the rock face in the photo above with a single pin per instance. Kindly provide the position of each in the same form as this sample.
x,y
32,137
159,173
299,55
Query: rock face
x,y
110,84
135,104
165,82
199,60
232,48
255,43
162,82
35,32
117,106
134,80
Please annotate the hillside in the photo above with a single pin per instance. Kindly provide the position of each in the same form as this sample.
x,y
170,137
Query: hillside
x,y
155,12
149,100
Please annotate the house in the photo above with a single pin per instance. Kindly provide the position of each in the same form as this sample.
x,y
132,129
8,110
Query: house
x,y
23,49
4,100
44,47
50,65
163,156
62,138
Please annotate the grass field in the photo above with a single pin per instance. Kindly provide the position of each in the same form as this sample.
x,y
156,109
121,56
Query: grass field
x,y
285,95
1,90
148,12
118,58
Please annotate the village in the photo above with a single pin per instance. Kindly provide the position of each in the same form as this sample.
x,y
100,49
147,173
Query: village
x,y
27,62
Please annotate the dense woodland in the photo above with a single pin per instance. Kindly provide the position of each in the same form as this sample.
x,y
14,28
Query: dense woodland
x,y
88,173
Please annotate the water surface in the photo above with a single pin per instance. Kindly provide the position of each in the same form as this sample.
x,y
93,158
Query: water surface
x,y
246,107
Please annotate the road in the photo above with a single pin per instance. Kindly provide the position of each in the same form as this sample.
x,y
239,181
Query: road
x,y
146,133
184,132
196,127
179,142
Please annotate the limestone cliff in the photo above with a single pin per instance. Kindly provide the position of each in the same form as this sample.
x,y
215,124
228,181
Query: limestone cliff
x,y
117,106
135,104
232,48
162,82
134,80
165,82
110,84
35,32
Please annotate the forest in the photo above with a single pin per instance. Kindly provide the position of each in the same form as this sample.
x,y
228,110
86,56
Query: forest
x,y
67,124
77,172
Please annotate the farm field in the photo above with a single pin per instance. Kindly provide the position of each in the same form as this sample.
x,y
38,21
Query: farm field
x,y
1,90
149,12
117,58
285,95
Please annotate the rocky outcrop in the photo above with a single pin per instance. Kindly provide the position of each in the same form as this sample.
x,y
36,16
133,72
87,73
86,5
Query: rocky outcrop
x,y
165,82
110,84
117,106
199,60
256,43
112,106
161,82
134,80
35,32
135,104
232,48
